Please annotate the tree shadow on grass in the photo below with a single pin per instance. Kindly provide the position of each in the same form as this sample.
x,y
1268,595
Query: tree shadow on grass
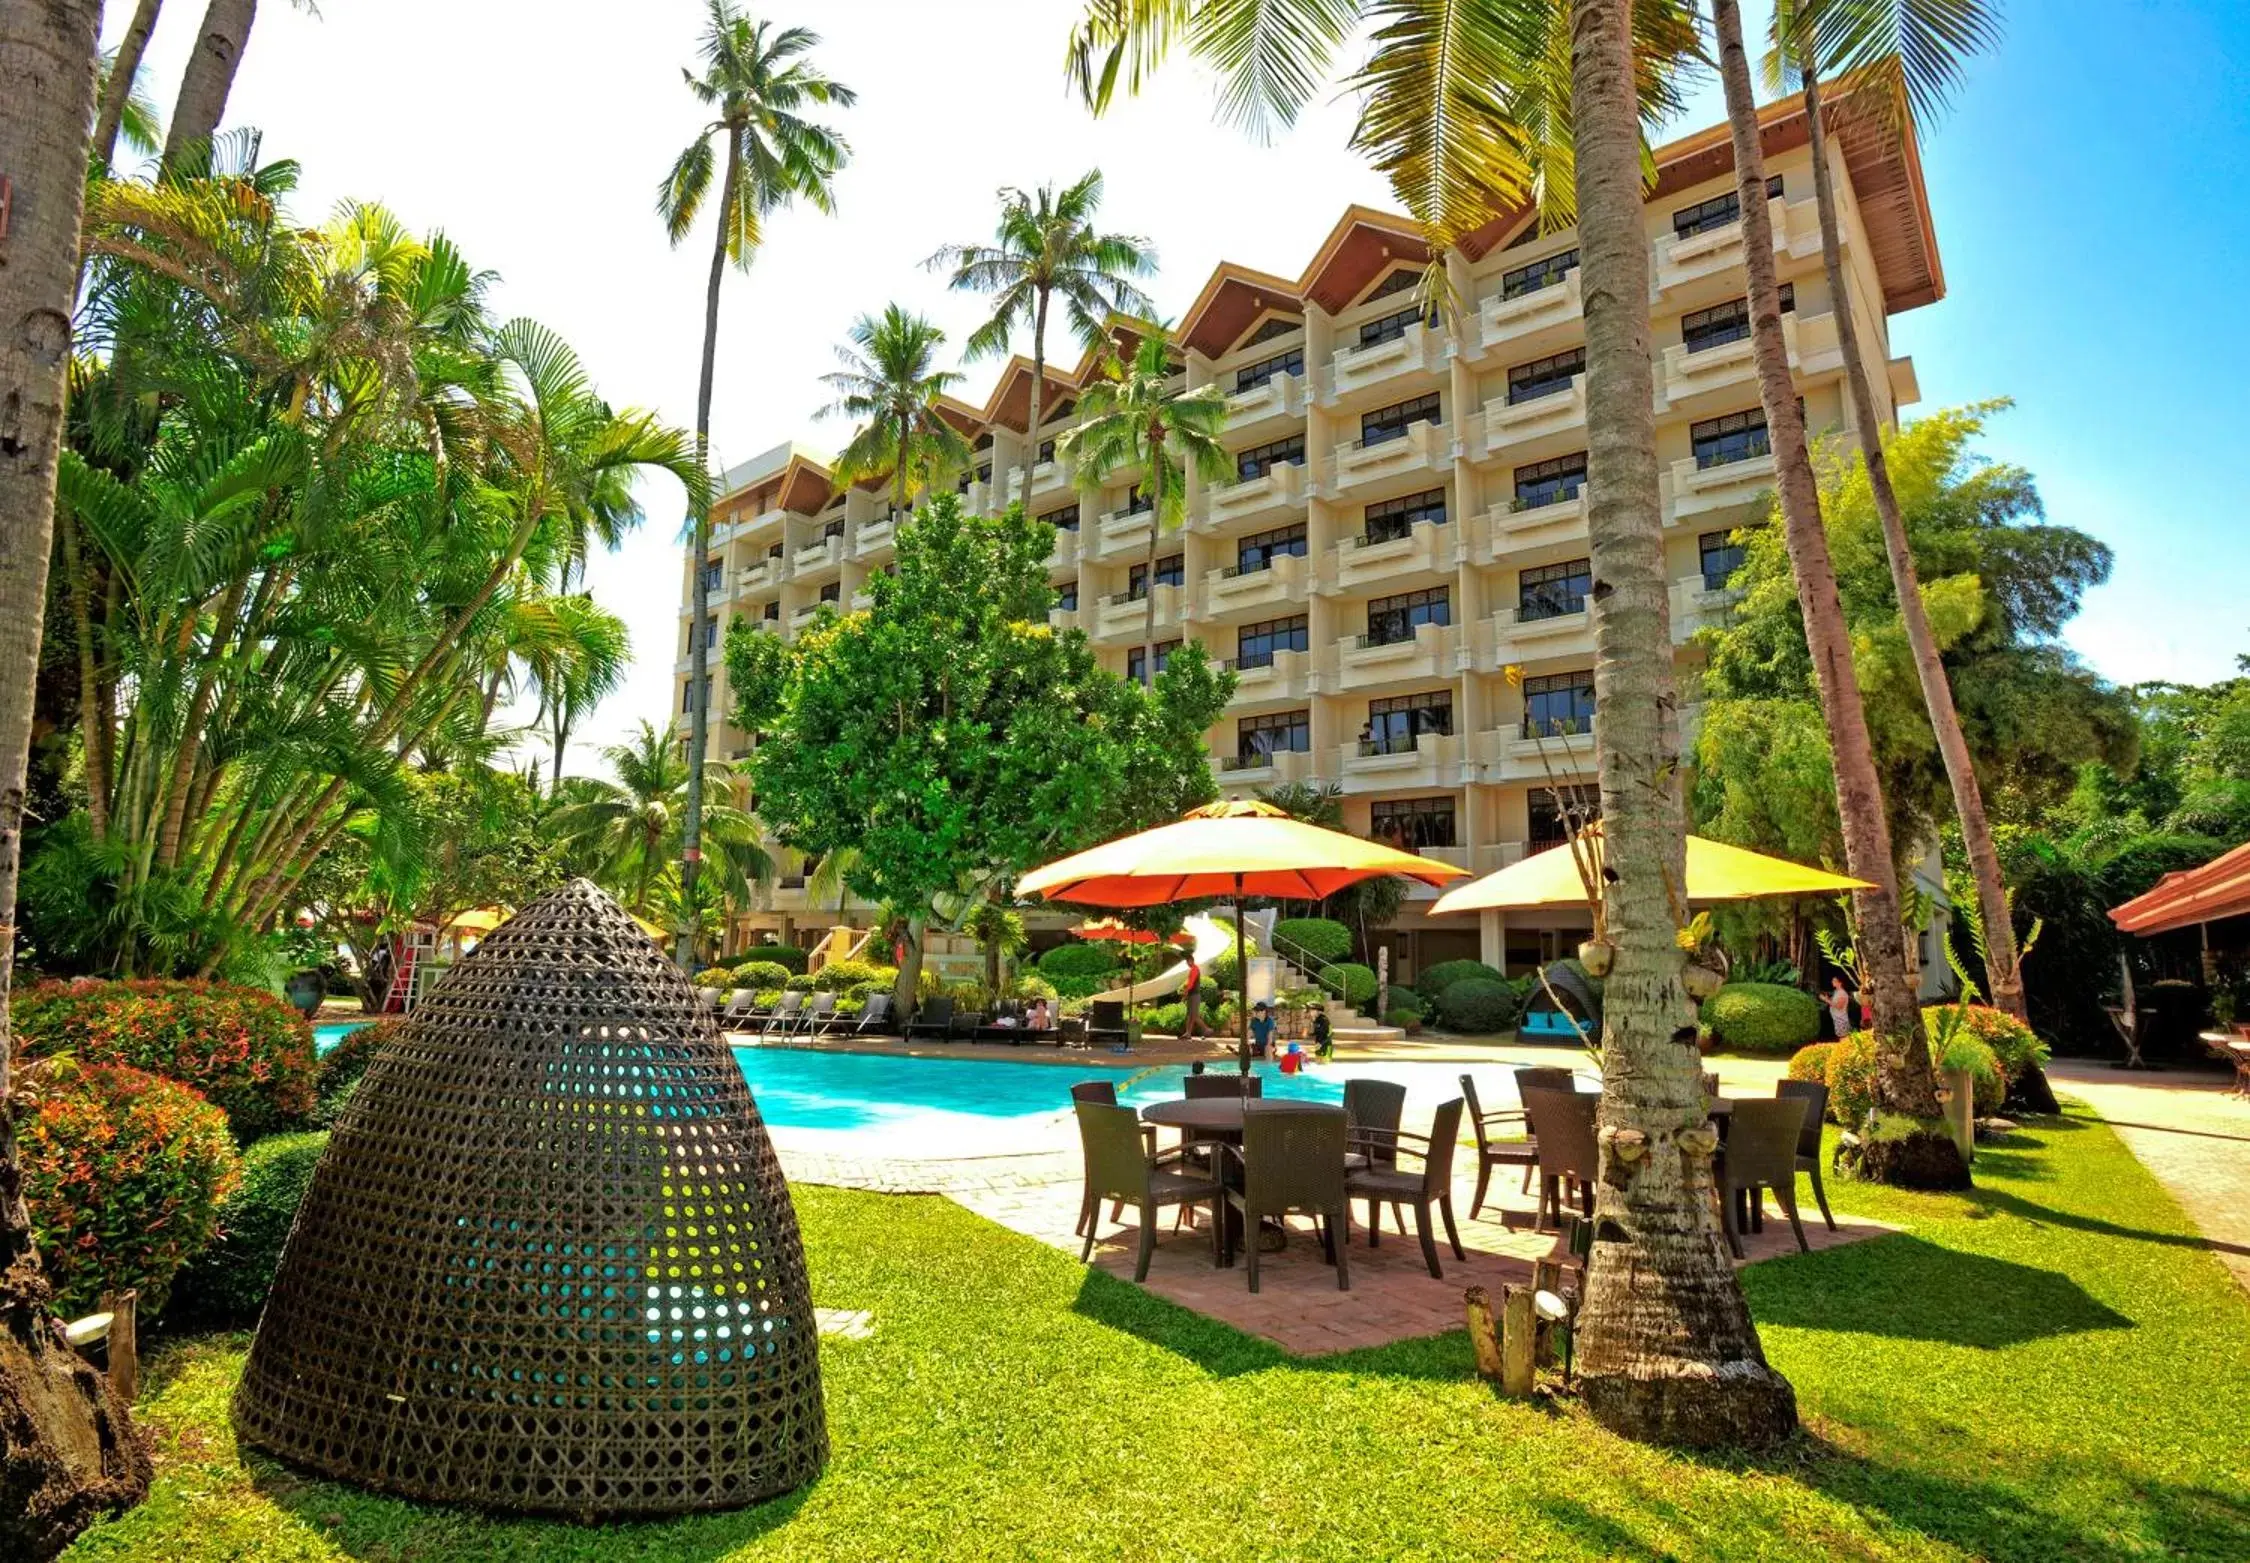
x,y
1904,1287
2047,1215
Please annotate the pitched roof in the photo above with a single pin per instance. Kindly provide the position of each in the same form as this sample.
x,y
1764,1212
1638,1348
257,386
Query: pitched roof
x,y
2220,888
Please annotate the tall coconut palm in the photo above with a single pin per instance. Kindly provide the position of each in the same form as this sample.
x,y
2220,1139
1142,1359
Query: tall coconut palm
x,y
121,107
1134,415
890,384
1914,1147
759,86
1045,248
72,1451
631,827
1543,102
208,80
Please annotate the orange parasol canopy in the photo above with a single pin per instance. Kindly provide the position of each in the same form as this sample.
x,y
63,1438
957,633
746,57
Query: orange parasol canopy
x,y
1110,929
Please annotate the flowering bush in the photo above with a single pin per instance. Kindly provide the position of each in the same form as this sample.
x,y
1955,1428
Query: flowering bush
x,y
244,1049
1810,1062
123,1172
1851,1078
2015,1044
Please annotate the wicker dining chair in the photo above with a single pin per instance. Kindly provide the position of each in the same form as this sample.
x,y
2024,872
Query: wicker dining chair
x,y
1292,1162
1544,1078
1761,1153
1431,1185
1122,1164
1372,1112
1815,1097
1562,1127
1492,1152
1202,1087
1104,1093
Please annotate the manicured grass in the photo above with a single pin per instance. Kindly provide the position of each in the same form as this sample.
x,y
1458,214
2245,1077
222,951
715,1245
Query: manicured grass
x,y
2045,1369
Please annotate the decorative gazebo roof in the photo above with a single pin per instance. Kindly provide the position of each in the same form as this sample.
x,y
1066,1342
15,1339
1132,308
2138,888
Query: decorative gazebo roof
x,y
548,1262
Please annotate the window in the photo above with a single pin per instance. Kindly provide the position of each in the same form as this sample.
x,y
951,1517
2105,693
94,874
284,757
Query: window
x,y
1739,436
1388,329
1251,376
773,610
1066,597
1545,376
1258,552
1551,825
1133,665
1393,519
1558,703
688,692
984,472
1170,571
710,633
1717,212
1721,557
774,552
1047,449
984,440
832,592
1138,503
1273,329
1063,520
1728,322
1061,409
1259,460
1553,590
1412,823
1257,739
1395,723
1393,619
1390,423
1539,274
1256,644
834,528
714,575
1546,483
1403,280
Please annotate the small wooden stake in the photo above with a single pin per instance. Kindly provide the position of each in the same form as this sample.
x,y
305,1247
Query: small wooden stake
x,y
124,1344
1519,1322
1484,1334
1546,1276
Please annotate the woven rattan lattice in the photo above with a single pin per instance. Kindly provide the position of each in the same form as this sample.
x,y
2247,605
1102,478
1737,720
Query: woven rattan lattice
x,y
548,1262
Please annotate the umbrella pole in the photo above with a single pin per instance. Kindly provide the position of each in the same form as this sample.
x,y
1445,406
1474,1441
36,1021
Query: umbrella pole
x,y
1242,989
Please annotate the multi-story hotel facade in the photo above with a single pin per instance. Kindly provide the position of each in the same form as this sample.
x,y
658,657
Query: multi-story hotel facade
x,y
1407,517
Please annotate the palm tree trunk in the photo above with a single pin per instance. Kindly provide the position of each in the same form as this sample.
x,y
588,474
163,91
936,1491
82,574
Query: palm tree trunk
x,y
1038,385
2003,970
1918,1151
209,77
699,654
1667,1347
122,70
70,1451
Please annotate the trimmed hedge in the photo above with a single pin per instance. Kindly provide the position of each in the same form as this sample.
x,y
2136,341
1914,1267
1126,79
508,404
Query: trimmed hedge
x,y
714,977
839,975
242,1048
1077,960
786,956
759,974
225,1286
2014,1044
1811,1062
1480,1005
1322,938
1405,1001
124,1172
1762,1017
1433,982
1358,981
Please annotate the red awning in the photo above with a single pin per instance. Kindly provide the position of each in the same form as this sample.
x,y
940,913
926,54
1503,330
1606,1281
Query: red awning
x,y
2220,888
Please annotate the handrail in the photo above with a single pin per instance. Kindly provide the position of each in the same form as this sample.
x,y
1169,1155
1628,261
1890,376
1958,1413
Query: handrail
x,y
1307,962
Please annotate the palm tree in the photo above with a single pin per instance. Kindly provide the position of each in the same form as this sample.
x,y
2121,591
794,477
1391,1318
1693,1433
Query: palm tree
x,y
890,382
1045,246
759,85
631,827
1543,101
576,668
208,80
122,107
1133,416
1920,1151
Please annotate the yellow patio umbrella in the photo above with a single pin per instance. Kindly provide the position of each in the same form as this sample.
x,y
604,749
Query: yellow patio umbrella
x,y
1233,848
1715,872
480,921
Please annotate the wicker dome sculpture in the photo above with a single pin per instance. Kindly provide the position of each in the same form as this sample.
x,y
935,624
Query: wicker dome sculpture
x,y
548,1262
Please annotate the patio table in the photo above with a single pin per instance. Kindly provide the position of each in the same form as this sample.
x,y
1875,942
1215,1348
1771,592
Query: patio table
x,y
1220,1117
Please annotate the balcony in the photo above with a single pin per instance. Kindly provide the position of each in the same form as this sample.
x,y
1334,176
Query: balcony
x,y
1430,653
1289,675
800,617
1064,553
1235,590
1122,616
1510,527
1417,350
1509,756
765,575
874,537
1715,255
1494,856
1698,605
1433,760
1276,491
817,556
1558,416
1288,765
1518,639
1263,408
1048,478
1531,324
1698,491
1426,549
1730,369
1424,447
1061,619
1120,531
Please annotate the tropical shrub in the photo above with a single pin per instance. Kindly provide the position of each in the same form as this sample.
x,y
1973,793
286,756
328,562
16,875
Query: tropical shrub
x,y
225,1285
714,977
759,974
786,956
1405,1001
1779,972
1030,985
801,982
1432,982
2015,1044
123,1172
845,974
768,997
242,1048
1358,982
1480,1005
1078,989
1762,1017
1322,938
330,1112
1851,1078
1167,1018
1965,1051
342,1065
1810,1062
1077,960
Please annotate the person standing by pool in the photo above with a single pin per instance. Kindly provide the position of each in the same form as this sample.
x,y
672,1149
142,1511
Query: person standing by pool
x,y
1261,1030
1192,995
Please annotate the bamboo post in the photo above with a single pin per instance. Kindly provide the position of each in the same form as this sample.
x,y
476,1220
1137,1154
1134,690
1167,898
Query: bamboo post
x,y
124,1344
1519,1322
1484,1334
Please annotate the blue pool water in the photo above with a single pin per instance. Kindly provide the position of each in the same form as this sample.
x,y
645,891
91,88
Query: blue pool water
x,y
806,1088
328,1033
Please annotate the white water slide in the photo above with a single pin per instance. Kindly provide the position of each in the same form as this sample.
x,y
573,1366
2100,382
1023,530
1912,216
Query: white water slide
x,y
1212,939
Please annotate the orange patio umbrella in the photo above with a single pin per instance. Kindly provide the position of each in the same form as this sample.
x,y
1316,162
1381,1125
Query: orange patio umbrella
x,y
1233,848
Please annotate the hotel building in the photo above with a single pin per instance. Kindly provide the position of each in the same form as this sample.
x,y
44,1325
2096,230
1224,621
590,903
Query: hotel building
x,y
1407,517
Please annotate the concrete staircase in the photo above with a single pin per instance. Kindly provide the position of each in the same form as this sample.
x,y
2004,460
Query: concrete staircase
x,y
1345,1024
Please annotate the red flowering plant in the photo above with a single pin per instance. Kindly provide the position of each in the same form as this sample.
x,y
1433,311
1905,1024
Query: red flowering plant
x,y
244,1049
123,1172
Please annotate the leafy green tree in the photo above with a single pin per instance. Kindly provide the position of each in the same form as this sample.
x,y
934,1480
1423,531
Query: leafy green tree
x,y
631,827
1045,248
890,382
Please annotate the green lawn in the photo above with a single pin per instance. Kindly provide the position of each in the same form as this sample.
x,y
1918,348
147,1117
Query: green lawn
x,y
2047,1369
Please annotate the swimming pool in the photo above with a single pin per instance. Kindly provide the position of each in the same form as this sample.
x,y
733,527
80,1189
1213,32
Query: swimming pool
x,y
328,1033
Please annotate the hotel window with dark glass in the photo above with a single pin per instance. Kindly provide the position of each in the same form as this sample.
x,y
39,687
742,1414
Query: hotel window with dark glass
x,y
1403,280
1066,597
1549,826
1047,450
1394,619
1553,482
1739,436
1061,409
984,441
1274,328
1391,519
1717,212
1413,823
773,609
1555,704
688,694
1259,460
1255,645
714,573
1550,376
1395,722
1062,520
1250,376
1133,663
1552,590
1138,503
1721,556
1385,424
834,528
1389,328
1170,571
1259,551
1257,739
1539,274
832,592
1728,322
